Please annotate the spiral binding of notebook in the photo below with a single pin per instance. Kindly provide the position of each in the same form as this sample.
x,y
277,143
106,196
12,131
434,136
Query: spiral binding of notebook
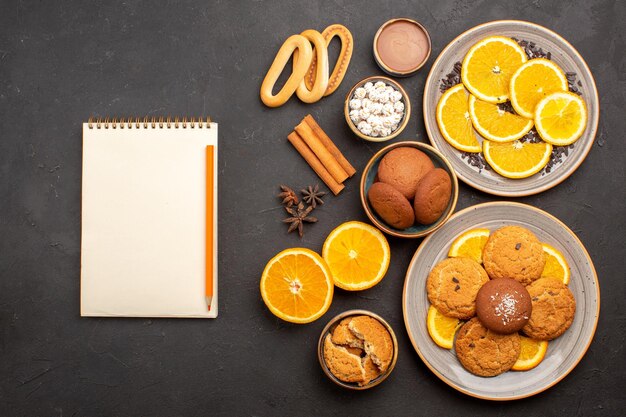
x,y
152,122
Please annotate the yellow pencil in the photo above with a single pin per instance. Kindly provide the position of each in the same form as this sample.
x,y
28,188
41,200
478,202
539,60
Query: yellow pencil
x,y
209,225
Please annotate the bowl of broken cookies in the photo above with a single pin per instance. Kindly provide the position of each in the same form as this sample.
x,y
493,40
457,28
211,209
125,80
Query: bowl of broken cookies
x,y
377,109
357,349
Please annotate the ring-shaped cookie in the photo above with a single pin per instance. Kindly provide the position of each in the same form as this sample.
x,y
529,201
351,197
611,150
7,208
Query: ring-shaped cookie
x,y
343,60
304,53
318,88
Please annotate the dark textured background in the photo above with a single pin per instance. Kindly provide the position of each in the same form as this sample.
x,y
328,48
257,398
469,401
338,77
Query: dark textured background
x,y
61,62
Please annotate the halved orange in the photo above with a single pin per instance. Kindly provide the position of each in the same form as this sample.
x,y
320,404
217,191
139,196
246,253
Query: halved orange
x,y
488,66
556,266
454,120
470,245
495,124
297,285
517,159
561,118
532,353
533,81
357,254
442,328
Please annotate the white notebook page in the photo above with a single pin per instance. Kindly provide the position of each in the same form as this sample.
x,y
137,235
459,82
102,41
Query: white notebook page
x,y
143,222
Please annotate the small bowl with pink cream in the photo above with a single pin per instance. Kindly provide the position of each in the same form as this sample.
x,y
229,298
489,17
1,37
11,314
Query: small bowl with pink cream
x,y
401,47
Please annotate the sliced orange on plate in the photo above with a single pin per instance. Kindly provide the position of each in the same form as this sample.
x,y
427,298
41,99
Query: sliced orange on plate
x,y
533,81
470,244
561,118
517,159
556,266
297,285
442,328
454,120
488,66
358,255
532,353
496,124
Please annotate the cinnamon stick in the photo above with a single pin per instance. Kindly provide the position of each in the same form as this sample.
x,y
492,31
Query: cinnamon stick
x,y
330,145
318,148
314,162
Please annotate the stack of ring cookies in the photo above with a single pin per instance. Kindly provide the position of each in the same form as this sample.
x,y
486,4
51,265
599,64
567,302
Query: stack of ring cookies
x,y
310,78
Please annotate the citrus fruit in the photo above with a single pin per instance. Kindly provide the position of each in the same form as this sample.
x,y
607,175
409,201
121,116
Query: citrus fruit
x,y
533,81
441,328
454,120
531,354
470,245
297,285
496,124
556,265
357,254
488,66
517,159
561,118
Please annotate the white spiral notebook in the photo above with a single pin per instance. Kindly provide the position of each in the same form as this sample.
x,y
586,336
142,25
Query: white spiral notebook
x,y
149,218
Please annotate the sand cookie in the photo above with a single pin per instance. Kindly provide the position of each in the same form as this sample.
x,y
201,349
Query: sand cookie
x,y
376,340
514,252
453,284
391,205
432,195
343,364
343,336
503,305
553,310
486,353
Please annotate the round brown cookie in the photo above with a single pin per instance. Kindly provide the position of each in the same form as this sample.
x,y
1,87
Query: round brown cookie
x,y
553,312
514,252
484,352
432,196
503,305
403,168
391,205
452,286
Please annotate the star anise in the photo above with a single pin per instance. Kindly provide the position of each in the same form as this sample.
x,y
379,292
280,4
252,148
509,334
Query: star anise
x,y
299,216
313,195
288,195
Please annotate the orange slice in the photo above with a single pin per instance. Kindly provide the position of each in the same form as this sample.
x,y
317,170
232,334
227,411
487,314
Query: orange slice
x,y
470,245
517,159
495,124
488,66
532,353
441,328
297,286
358,255
454,120
532,82
556,265
561,118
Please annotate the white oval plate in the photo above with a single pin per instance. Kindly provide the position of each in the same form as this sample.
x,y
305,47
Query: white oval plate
x,y
564,54
563,353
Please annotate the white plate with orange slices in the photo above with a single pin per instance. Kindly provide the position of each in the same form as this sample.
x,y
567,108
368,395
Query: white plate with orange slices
x,y
541,364
468,122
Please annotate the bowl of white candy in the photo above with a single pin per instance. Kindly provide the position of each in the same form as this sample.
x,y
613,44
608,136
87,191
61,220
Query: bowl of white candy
x,y
377,109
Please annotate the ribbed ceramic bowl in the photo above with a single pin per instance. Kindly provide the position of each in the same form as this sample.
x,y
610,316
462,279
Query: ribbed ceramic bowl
x,y
417,230
331,326
405,100
563,353
564,54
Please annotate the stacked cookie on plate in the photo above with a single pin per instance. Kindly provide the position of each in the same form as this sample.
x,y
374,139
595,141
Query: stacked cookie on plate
x,y
511,291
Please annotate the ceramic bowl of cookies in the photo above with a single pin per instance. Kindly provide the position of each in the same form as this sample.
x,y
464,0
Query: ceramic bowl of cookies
x,y
377,109
409,189
357,349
